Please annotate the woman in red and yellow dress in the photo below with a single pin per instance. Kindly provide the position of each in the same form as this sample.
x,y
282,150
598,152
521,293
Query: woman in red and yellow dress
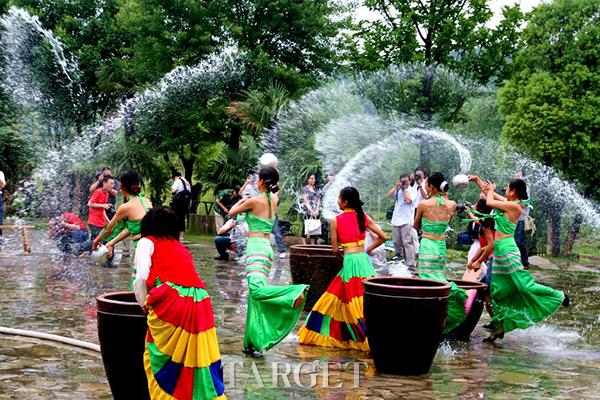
x,y
337,319
182,357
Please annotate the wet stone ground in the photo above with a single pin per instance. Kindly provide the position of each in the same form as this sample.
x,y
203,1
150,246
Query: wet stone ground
x,y
43,291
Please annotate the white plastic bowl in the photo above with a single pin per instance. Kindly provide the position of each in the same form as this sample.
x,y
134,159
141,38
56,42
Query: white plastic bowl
x,y
268,160
100,255
460,181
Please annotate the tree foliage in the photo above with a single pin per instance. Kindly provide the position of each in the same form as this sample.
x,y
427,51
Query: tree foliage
x,y
452,33
551,103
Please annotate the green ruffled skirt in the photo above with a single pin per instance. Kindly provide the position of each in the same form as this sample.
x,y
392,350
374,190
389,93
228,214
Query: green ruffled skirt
x,y
271,315
432,265
518,302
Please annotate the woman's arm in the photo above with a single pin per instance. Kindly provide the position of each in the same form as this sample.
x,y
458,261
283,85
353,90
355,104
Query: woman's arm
x,y
501,203
419,216
335,247
119,215
143,263
120,237
245,204
381,236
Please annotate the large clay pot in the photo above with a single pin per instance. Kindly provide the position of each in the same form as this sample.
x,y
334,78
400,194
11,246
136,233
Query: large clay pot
x,y
463,331
405,318
313,265
122,331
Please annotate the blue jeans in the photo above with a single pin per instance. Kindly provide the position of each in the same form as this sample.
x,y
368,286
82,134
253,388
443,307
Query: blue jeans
x,y
223,243
278,237
521,244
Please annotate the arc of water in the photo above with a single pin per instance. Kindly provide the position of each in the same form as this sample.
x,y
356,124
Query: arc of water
x,y
364,159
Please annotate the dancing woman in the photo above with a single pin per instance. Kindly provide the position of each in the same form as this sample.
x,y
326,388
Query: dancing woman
x,y
128,218
182,358
517,301
337,319
433,216
272,310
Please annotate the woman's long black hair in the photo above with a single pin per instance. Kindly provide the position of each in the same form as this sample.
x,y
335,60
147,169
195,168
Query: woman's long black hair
x,y
160,222
519,186
437,180
131,181
352,197
271,178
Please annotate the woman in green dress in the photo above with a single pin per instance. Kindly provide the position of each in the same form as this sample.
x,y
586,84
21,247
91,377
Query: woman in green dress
x,y
433,216
272,310
517,300
127,220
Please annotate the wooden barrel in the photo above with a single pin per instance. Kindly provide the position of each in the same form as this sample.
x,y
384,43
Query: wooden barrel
x,y
405,318
313,265
122,331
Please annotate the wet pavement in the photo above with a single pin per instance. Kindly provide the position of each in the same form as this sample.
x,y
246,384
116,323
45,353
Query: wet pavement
x,y
43,291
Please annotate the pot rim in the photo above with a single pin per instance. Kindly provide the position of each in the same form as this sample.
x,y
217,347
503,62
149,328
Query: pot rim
x,y
103,298
438,285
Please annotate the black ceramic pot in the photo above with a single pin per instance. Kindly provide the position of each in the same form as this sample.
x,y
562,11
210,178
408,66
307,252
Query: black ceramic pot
x,y
313,265
405,318
122,332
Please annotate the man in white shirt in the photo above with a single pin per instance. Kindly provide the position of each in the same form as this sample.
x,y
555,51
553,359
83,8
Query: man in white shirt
x,y
418,183
2,184
402,220
182,191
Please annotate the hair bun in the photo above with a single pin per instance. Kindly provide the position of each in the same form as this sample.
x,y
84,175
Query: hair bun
x,y
444,186
273,187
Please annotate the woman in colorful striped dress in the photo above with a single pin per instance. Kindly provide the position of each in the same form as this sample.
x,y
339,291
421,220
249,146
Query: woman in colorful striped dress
x,y
182,358
433,216
273,311
518,302
337,319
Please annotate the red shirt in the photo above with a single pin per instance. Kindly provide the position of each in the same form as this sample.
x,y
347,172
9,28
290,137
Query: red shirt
x,y
97,216
71,218
172,262
347,227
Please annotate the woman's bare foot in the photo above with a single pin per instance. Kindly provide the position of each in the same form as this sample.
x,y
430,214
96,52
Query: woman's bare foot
x,y
299,301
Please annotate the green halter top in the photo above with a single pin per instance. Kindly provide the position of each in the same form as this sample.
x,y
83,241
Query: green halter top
x,y
259,224
435,227
135,227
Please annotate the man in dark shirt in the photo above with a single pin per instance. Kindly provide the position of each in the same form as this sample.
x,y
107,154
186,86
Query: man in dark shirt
x,y
224,201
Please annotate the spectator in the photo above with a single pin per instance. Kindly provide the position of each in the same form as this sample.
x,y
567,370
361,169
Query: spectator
x,y
224,201
2,184
231,236
69,232
311,204
99,204
182,195
520,230
112,196
402,220
418,184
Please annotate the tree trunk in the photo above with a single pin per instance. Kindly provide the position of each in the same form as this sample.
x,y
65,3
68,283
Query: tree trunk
x,y
572,234
234,139
553,248
188,167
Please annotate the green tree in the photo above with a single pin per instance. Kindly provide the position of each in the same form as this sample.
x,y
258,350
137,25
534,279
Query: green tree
x,y
452,33
291,41
551,103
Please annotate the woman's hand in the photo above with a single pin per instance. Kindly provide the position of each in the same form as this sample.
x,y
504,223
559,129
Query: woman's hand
x,y
491,186
474,265
110,248
96,242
